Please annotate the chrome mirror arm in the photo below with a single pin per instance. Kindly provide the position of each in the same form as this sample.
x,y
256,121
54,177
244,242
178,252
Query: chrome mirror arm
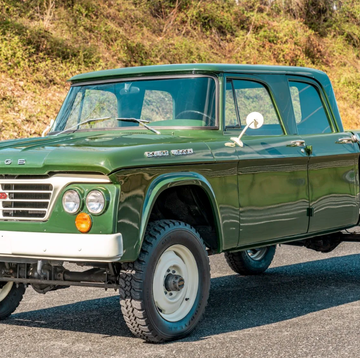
x,y
254,120
238,140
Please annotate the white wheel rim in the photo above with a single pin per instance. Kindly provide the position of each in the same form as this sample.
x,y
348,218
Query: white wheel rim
x,y
257,254
5,290
175,305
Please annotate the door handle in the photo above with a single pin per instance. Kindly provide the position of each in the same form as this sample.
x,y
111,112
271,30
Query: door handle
x,y
297,143
348,140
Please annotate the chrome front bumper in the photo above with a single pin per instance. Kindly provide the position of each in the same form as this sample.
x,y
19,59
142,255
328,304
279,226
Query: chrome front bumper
x,y
63,247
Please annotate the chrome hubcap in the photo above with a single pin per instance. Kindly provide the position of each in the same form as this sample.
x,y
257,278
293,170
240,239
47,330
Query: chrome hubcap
x,y
257,254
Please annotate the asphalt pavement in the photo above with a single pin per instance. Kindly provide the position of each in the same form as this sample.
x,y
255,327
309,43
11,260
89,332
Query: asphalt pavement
x,y
306,305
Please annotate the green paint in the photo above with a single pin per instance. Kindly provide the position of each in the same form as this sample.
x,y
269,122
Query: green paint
x,y
259,194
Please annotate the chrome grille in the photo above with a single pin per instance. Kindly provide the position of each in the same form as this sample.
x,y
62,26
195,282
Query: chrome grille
x,y
33,198
25,200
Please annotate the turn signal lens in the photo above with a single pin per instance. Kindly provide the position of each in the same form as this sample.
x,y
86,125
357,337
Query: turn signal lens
x,y
83,222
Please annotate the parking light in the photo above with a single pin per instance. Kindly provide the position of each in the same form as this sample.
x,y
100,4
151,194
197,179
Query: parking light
x,y
83,222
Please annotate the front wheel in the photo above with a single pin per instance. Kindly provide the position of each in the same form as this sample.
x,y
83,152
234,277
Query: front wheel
x,y
10,297
164,293
251,262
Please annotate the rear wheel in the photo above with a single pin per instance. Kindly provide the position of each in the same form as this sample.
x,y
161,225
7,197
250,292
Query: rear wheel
x,y
10,297
164,293
251,262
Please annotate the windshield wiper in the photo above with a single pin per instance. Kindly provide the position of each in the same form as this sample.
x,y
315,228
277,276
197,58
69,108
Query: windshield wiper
x,y
140,121
83,122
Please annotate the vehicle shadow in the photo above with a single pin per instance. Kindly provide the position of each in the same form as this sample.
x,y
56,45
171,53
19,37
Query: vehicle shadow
x,y
235,303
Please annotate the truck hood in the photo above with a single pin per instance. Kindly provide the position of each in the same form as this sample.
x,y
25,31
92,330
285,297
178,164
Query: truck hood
x,y
96,152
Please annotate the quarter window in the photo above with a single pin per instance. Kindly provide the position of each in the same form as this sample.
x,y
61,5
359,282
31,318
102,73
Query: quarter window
x,y
231,119
309,111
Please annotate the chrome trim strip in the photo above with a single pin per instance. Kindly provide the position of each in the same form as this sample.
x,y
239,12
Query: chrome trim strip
x,y
58,182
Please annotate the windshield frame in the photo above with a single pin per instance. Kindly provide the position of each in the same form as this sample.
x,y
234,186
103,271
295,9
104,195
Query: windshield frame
x,y
147,78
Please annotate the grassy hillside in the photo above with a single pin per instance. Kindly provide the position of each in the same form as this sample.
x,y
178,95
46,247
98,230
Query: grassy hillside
x,y
45,42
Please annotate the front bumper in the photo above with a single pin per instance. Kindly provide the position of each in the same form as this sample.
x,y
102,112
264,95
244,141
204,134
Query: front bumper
x,y
63,247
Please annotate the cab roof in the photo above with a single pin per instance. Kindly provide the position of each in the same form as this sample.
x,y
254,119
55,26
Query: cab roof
x,y
194,68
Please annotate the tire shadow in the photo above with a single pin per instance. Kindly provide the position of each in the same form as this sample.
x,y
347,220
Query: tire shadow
x,y
236,302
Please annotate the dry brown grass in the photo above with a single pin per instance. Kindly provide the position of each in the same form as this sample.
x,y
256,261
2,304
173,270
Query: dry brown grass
x,y
44,42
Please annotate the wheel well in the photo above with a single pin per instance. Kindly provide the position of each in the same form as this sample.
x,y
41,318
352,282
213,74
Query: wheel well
x,y
190,204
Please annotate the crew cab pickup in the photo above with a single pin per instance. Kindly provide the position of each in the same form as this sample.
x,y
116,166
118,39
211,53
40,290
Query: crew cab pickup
x,y
146,171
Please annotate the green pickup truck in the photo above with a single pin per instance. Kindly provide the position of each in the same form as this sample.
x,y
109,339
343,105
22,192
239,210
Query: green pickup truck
x,y
147,171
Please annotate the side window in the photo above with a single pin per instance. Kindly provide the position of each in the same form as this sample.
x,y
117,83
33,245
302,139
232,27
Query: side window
x,y
254,97
230,110
310,115
157,106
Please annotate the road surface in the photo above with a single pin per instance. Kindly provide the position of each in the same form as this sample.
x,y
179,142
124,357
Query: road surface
x,y
306,305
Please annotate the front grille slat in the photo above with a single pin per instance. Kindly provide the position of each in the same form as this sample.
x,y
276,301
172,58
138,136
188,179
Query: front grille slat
x,y
24,209
27,187
25,200
28,200
25,205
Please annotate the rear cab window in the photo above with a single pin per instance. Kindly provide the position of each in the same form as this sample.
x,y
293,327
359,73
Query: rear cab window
x,y
309,109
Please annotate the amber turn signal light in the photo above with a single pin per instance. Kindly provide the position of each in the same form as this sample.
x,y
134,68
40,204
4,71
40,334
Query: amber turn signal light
x,y
83,222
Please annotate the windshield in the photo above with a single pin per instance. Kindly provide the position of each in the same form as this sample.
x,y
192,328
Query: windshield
x,y
177,102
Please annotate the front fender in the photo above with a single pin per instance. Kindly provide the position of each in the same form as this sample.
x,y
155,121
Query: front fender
x,y
156,187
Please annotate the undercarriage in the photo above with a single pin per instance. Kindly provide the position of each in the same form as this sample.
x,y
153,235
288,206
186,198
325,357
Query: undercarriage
x,y
50,275
45,276
327,243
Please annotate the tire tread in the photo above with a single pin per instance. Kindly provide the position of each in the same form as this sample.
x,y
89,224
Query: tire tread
x,y
12,301
132,278
240,263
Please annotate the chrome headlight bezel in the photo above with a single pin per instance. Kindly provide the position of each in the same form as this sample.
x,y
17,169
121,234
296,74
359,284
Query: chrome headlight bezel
x,y
75,199
96,202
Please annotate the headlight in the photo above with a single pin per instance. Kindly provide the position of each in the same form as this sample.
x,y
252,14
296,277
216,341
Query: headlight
x,y
71,201
95,202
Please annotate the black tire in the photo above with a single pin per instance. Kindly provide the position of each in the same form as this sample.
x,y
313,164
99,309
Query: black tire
x,y
251,262
13,296
181,250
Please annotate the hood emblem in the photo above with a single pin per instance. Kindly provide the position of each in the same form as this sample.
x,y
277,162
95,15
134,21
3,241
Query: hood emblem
x,y
20,161
182,151
157,153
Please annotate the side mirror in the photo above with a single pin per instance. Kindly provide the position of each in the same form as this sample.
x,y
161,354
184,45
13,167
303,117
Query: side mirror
x,y
254,120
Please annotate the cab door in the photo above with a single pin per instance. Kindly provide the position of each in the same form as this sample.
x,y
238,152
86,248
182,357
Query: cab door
x,y
333,159
272,164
